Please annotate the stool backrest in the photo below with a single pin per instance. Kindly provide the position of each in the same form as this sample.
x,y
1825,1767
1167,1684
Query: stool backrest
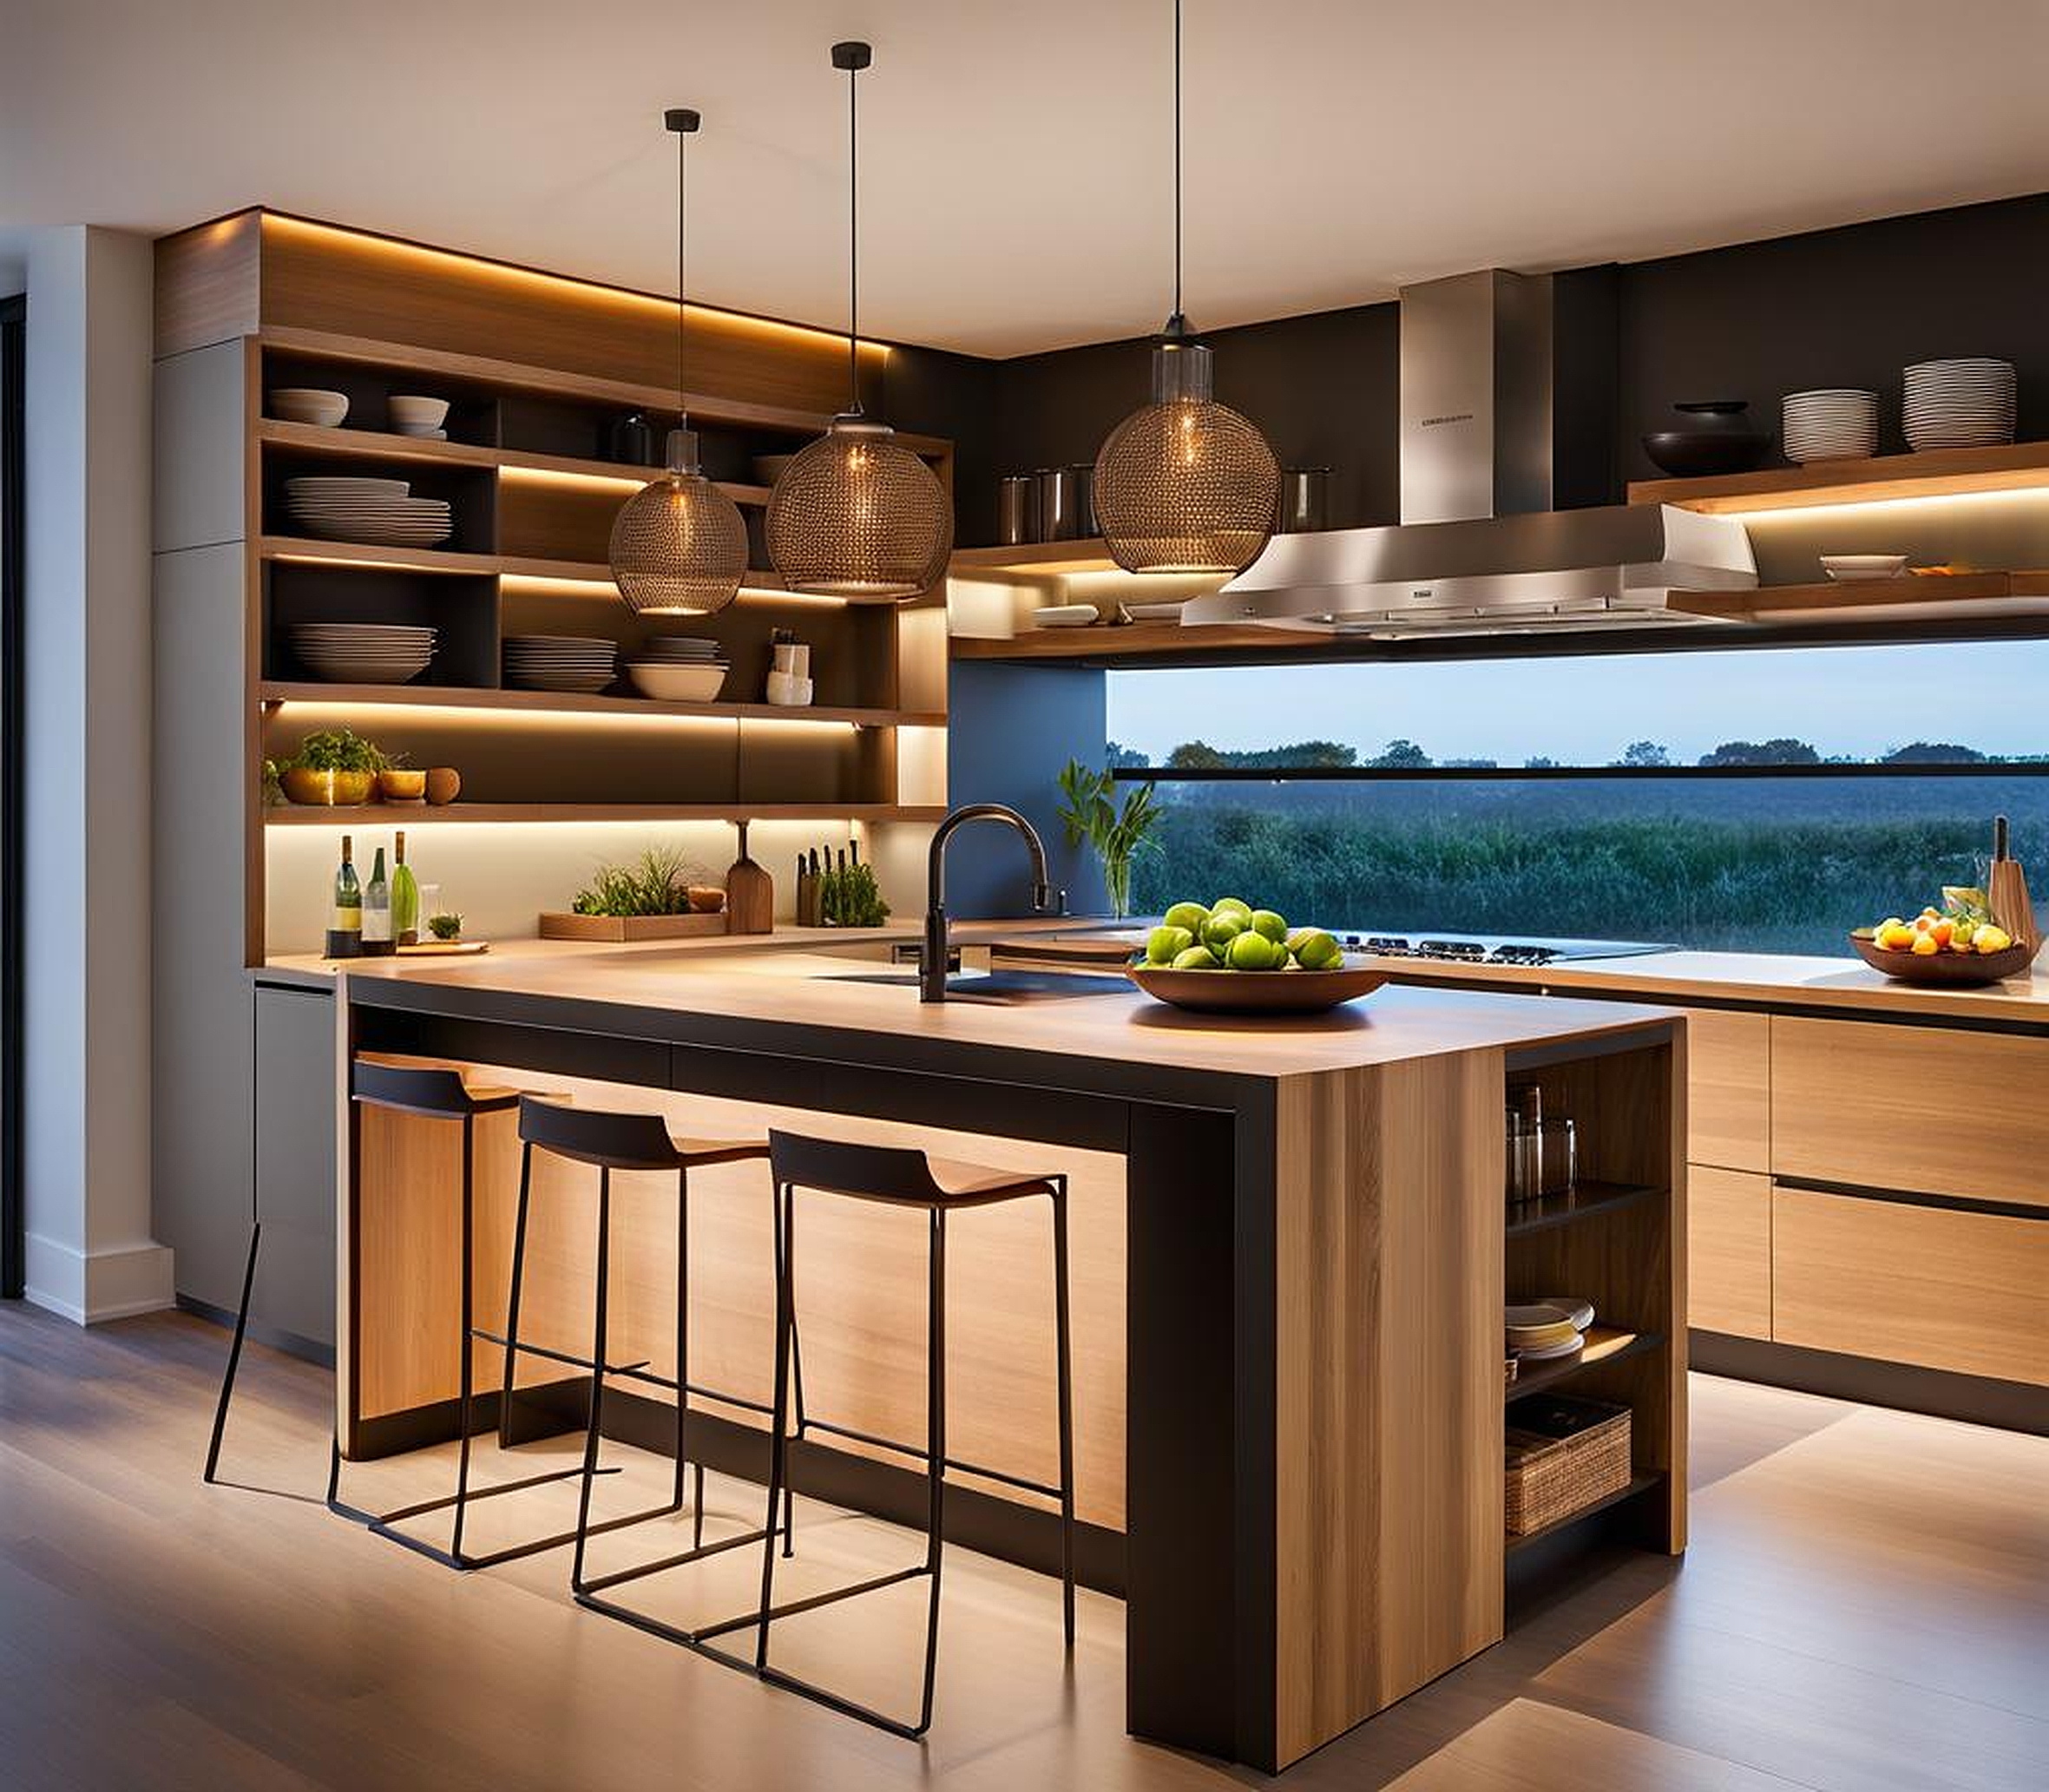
x,y
590,1135
439,1094
870,1172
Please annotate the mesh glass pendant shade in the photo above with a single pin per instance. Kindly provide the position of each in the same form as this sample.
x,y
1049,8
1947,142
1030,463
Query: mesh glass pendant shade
x,y
1186,484
679,544
858,516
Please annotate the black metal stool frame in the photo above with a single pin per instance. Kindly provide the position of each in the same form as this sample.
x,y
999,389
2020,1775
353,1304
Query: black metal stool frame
x,y
933,1454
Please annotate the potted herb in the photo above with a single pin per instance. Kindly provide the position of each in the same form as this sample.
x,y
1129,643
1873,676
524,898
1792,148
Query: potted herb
x,y
1117,834
333,768
662,894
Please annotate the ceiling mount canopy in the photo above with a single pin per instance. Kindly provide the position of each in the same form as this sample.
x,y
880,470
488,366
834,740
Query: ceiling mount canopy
x,y
679,544
1184,484
857,514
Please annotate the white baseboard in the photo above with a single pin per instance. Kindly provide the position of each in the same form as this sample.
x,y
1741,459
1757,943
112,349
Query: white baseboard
x,y
107,1284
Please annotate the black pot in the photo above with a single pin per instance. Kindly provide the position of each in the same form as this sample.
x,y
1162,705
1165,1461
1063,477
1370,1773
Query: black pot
x,y
1718,437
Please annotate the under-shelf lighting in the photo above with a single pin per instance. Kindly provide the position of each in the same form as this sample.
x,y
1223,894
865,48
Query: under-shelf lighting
x,y
470,716
1795,512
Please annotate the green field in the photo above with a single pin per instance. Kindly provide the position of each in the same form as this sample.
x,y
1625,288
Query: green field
x,y
1758,866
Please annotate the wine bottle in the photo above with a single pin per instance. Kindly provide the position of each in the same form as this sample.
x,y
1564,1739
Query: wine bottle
x,y
405,898
377,912
344,924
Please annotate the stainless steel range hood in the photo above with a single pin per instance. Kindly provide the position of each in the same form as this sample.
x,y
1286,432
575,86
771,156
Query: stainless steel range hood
x,y
1478,549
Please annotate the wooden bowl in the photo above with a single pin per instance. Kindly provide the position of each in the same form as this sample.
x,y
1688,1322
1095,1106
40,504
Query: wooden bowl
x,y
1222,992
706,898
1948,970
326,790
397,786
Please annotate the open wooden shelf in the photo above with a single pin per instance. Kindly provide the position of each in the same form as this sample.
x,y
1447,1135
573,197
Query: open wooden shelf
x,y
571,703
1037,560
416,451
413,814
1638,1484
1134,640
1604,1344
1994,597
1587,1200
1939,472
311,550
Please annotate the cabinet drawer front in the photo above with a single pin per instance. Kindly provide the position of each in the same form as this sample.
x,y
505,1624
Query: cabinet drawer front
x,y
1924,1110
1728,1251
1729,1089
1928,1285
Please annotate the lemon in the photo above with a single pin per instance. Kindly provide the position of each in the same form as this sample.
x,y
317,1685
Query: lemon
x,y
1272,926
1196,958
1164,944
1188,914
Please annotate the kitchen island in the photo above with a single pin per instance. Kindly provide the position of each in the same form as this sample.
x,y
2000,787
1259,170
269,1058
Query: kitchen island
x,y
1290,1255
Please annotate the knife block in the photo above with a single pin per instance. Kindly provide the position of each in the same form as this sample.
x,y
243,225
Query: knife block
x,y
2005,895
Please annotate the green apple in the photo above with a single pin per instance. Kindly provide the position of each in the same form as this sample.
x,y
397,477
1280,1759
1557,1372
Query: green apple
x,y
1317,951
1188,914
1270,925
1221,929
1164,944
1255,952
1196,958
1231,905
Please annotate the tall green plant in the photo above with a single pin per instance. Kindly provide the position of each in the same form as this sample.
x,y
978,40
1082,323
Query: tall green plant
x,y
1118,835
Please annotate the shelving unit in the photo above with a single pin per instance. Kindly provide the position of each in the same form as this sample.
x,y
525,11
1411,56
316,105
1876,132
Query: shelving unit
x,y
1993,597
414,815
1638,1484
1604,1344
572,703
1940,472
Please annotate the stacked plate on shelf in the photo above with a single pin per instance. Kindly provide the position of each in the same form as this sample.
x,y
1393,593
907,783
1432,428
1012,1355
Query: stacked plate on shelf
x,y
679,668
1838,423
581,663
1540,1330
361,653
1961,404
379,511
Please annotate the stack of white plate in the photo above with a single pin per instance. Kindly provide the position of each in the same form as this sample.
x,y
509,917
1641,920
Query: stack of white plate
x,y
1962,403
1538,1331
561,662
1837,425
362,653
381,511
679,668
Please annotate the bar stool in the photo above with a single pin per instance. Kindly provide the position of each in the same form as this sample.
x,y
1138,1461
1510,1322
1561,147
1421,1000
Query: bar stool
x,y
901,1178
609,1142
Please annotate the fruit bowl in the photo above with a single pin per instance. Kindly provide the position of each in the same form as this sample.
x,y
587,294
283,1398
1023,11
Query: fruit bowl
x,y
1948,970
1226,991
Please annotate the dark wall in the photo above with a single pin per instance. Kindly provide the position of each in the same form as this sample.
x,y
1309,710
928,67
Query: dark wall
x,y
1835,307
935,393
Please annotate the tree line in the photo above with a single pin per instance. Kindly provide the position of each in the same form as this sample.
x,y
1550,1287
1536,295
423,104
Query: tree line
x,y
1406,755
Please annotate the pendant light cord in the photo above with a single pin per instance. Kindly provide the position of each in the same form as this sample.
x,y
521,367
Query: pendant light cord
x,y
682,287
854,240
1177,158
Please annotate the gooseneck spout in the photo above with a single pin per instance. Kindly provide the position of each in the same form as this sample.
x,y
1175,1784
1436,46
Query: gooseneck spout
x,y
938,949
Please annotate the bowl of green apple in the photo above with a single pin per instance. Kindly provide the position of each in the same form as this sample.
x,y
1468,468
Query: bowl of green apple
x,y
1228,957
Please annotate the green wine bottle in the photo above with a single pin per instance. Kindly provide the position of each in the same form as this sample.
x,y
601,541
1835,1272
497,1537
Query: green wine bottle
x,y
344,925
405,898
377,912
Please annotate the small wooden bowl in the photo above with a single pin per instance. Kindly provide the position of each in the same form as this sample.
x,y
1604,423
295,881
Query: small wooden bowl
x,y
706,898
326,790
397,786
1948,970
1226,991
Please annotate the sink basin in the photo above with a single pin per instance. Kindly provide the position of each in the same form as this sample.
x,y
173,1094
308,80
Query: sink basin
x,y
1000,986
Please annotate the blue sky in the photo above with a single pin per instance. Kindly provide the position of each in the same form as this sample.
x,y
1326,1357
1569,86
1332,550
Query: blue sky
x,y
1860,701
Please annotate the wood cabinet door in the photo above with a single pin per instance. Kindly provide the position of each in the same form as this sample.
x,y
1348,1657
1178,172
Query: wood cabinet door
x,y
1899,1283
1729,1089
1923,1110
1728,1251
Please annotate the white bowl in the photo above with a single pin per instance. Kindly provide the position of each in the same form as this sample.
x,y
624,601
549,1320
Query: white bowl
x,y
417,413
788,692
309,405
676,684
1850,567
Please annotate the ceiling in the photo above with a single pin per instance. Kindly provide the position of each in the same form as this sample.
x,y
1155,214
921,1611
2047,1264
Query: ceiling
x,y
1015,158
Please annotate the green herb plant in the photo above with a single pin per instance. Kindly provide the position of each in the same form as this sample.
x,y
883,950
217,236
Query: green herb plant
x,y
850,897
1118,835
445,927
327,750
658,883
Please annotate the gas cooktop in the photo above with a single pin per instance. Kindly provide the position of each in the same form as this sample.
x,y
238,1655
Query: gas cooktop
x,y
1473,949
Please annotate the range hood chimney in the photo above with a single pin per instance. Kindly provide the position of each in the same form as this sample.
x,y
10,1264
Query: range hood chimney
x,y
1479,549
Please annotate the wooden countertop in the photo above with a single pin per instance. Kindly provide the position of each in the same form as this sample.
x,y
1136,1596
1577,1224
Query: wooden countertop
x,y
697,995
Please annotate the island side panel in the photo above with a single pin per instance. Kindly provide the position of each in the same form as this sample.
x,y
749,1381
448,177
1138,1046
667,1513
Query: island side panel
x,y
1388,1376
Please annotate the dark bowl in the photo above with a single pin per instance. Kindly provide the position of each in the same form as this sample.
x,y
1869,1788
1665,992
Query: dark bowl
x,y
1691,454
1948,970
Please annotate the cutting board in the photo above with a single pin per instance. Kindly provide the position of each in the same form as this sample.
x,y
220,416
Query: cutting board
x,y
445,949
1091,951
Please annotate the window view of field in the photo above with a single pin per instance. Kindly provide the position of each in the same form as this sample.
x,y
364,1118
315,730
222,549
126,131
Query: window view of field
x,y
1783,864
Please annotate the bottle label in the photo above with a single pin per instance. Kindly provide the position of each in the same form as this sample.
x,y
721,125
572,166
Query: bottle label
x,y
348,919
377,924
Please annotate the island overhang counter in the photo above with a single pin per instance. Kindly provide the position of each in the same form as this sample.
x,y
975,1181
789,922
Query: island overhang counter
x,y
1291,1250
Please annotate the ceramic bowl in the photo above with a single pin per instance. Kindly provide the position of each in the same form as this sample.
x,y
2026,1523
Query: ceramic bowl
x,y
1952,970
396,786
672,683
326,790
309,405
416,414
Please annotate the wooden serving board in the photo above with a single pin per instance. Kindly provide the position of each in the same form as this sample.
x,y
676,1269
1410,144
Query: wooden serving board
x,y
445,948
1094,950
630,927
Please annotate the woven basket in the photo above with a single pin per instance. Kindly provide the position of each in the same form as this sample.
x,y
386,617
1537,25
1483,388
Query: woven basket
x,y
1562,1454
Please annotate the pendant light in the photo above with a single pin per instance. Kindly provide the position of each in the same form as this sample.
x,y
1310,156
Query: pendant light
x,y
1184,484
857,514
679,544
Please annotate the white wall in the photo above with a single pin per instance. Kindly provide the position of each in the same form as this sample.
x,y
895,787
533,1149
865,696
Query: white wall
x,y
86,983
